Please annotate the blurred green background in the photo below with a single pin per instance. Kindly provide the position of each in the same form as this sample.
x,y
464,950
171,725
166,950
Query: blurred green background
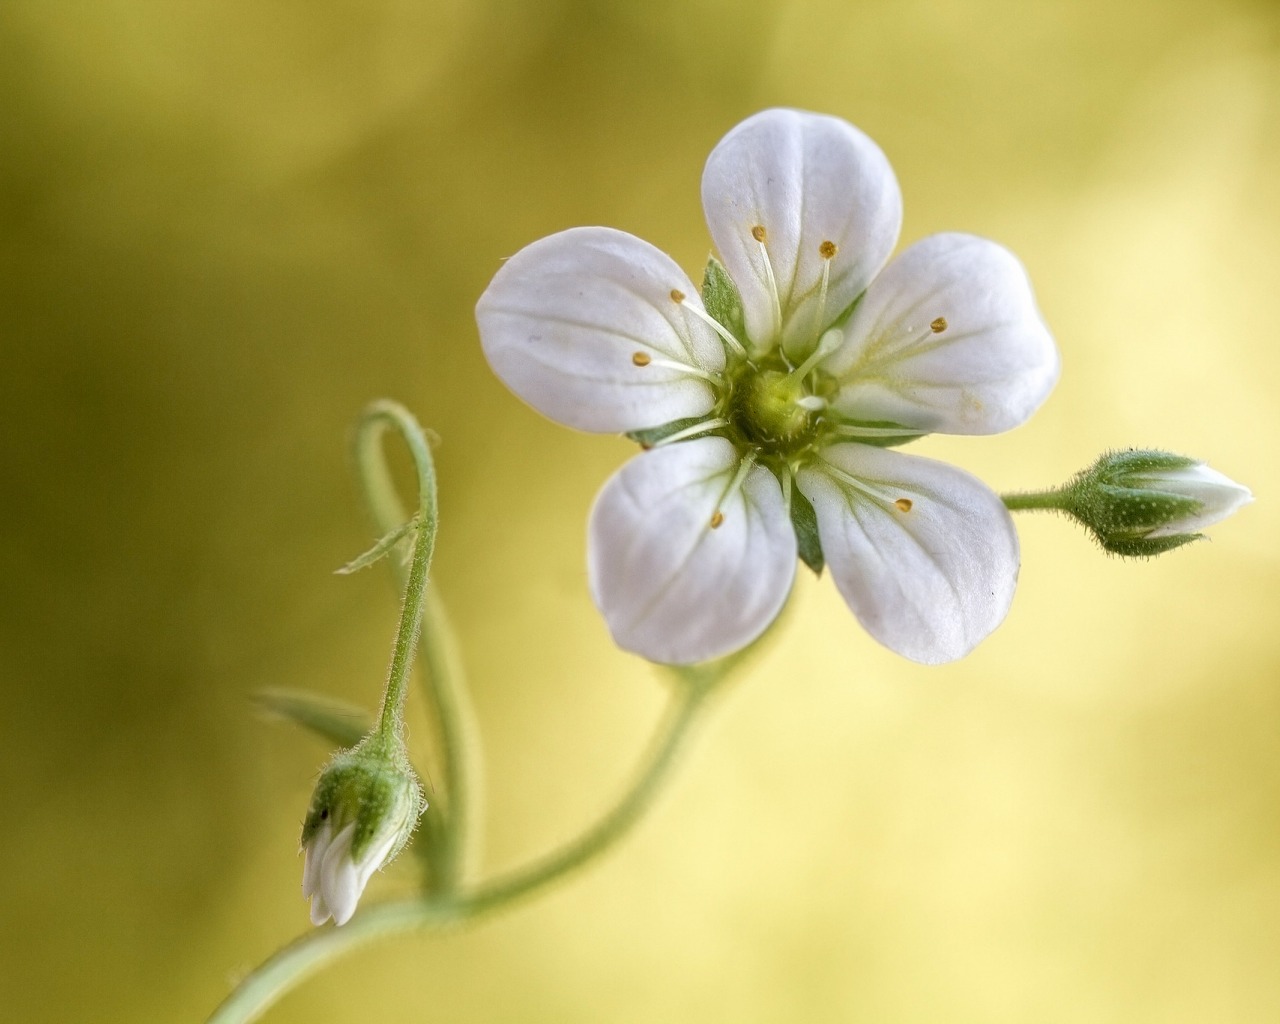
x,y
225,225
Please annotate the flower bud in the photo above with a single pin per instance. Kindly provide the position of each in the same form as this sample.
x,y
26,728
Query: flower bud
x,y
365,807
1145,502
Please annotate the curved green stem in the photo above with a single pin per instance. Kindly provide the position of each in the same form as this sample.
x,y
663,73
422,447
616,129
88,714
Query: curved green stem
x,y
380,416
304,957
445,677
676,727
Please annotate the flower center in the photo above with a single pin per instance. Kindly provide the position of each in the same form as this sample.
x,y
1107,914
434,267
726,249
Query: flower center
x,y
765,409
772,409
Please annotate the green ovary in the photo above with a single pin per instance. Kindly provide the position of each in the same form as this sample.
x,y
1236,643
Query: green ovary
x,y
764,409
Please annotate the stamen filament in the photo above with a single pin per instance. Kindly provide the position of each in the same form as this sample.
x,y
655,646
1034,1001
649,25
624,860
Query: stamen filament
x,y
693,431
759,234
744,467
671,364
854,430
827,344
884,497
716,326
819,321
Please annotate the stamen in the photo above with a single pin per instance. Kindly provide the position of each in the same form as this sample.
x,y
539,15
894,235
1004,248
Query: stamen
x,y
811,403
854,430
693,371
641,359
744,467
679,297
827,344
870,490
827,250
939,325
759,234
693,431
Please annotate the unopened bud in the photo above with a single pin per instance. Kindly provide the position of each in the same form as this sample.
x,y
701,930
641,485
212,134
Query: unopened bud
x,y
364,809
1145,502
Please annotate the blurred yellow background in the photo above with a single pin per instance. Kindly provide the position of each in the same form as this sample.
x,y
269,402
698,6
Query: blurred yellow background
x,y
227,224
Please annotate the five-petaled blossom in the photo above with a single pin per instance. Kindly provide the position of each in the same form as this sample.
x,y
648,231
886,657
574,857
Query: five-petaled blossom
x,y
769,404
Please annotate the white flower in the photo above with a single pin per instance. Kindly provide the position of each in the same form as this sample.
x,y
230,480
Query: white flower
x,y
363,811
779,398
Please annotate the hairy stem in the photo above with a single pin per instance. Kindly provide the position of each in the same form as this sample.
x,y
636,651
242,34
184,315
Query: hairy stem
x,y
444,676
1026,501
380,416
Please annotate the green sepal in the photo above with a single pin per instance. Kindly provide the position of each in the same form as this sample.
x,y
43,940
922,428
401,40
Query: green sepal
x,y
722,300
650,436
381,549
342,724
1148,547
804,520
1131,509
1132,464
374,787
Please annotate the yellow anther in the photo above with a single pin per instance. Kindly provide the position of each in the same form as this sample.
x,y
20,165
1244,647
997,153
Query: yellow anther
x,y
827,250
717,519
641,359
677,295
758,233
903,504
939,325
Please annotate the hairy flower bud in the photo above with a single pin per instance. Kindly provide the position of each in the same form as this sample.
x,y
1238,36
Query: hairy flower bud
x,y
364,809
1145,502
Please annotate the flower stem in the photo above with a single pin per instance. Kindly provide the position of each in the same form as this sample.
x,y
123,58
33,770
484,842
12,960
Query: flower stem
x,y
304,957
379,416
445,677
1025,501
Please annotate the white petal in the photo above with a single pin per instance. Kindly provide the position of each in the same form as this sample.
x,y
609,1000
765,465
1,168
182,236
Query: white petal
x,y
806,179
924,554
986,370
1219,495
671,587
339,880
563,318
319,911
314,856
374,858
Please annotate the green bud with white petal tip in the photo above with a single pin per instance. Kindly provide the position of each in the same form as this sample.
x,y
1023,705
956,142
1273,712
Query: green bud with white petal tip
x,y
364,809
1144,502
